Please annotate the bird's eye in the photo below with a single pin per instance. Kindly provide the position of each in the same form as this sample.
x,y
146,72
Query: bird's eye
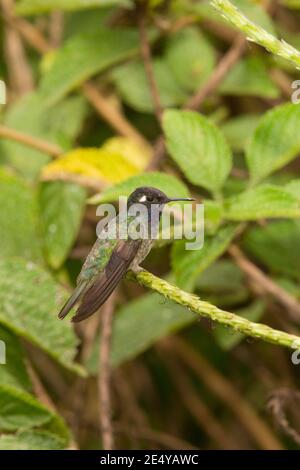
x,y
150,198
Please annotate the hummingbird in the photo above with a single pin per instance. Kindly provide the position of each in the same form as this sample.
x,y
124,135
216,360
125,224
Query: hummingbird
x,y
110,259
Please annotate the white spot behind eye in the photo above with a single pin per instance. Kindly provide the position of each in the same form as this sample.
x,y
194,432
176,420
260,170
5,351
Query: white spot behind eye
x,y
143,198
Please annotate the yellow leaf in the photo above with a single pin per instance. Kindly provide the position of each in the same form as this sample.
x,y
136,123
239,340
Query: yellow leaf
x,y
117,159
136,154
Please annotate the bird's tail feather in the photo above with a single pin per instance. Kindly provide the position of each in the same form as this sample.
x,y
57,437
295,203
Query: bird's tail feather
x,y
77,294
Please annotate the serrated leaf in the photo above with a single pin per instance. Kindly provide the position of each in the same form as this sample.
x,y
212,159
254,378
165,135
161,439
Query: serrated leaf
x,y
249,77
166,183
277,246
228,339
18,218
184,56
31,440
59,125
61,209
83,56
133,86
188,265
275,142
13,372
29,303
265,201
117,159
140,324
37,7
198,147
21,411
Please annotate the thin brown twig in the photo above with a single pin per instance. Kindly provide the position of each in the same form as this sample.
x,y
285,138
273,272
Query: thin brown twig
x,y
88,181
193,403
226,392
164,439
147,59
266,284
278,403
224,66
39,388
34,142
43,396
56,28
128,396
283,81
30,33
111,114
20,74
101,104
104,376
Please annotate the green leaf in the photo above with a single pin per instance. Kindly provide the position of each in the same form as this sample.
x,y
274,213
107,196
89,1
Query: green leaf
x,y
85,21
59,125
188,265
249,77
14,371
227,338
238,130
29,303
141,323
275,142
294,188
198,147
18,218
277,246
83,56
170,185
262,202
133,86
37,7
21,411
222,275
184,56
31,440
213,215
223,284
61,210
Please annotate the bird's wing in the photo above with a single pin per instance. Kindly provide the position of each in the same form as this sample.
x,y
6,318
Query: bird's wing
x,y
105,282
78,292
95,263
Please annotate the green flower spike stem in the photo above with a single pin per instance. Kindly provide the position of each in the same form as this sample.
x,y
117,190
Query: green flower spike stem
x,y
207,310
255,33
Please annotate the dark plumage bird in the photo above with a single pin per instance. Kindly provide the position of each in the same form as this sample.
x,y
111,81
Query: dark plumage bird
x,y
110,259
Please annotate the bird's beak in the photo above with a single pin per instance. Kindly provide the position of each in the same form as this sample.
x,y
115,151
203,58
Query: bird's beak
x,y
173,199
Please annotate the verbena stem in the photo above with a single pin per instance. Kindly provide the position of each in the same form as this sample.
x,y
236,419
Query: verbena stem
x,y
205,309
255,33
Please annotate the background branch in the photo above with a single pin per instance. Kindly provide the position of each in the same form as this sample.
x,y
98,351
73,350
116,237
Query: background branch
x,y
34,142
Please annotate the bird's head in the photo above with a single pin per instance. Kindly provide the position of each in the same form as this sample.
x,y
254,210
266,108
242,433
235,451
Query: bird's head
x,y
147,196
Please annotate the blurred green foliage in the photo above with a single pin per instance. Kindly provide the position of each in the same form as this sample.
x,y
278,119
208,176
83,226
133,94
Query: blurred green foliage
x,y
232,154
